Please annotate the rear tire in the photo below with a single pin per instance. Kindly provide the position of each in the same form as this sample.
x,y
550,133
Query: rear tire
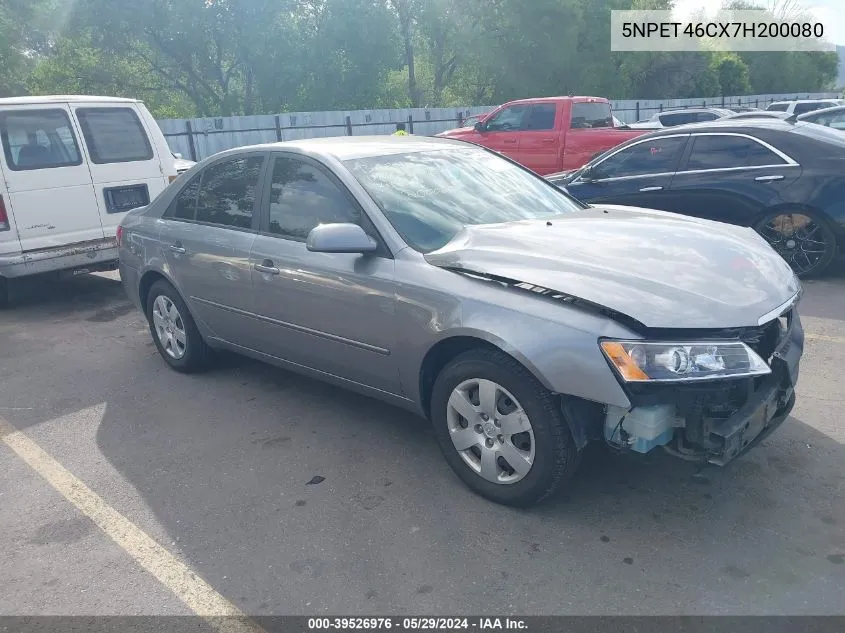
x,y
173,330
544,453
803,238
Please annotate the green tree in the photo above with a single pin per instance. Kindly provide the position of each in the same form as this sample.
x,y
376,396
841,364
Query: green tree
x,y
732,74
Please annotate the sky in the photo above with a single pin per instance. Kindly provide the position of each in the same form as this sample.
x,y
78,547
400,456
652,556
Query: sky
x,y
828,12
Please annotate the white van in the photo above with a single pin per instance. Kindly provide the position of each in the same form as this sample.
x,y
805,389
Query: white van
x,y
71,167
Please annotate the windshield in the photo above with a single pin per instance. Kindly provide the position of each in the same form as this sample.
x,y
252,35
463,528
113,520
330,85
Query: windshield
x,y
429,196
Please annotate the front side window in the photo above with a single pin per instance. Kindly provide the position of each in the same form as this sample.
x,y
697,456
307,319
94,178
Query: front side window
x,y
227,192
508,119
38,139
430,196
302,196
656,156
114,135
719,151
591,115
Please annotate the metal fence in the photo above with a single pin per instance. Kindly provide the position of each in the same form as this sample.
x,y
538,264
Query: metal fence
x,y
199,138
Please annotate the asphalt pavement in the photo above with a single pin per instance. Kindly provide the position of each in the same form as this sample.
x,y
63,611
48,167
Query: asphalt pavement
x,y
215,468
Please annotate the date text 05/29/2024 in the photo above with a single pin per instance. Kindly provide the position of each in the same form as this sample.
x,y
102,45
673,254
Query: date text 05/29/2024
x,y
418,624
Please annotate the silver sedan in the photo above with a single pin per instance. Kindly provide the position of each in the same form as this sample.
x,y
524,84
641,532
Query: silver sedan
x,y
443,278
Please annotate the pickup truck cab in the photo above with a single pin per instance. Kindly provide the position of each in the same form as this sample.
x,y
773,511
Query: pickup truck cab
x,y
548,134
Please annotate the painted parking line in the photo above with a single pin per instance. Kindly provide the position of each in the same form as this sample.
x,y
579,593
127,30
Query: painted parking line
x,y
169,570
824,337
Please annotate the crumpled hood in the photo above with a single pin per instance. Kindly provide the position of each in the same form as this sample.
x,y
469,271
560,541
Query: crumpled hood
x,y
662,269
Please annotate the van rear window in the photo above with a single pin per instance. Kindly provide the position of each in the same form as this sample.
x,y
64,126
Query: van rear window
x,y
114,135
38,139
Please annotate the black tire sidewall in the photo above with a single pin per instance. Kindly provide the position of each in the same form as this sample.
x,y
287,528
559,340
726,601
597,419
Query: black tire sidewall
x,y
830,236
194,345
552,437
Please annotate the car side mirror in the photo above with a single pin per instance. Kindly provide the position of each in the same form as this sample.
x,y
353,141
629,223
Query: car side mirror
x,y
479,126
588,174
340,238
177,155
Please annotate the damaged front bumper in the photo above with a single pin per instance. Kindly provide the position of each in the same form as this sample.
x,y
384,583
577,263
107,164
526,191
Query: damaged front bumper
x,y
714,421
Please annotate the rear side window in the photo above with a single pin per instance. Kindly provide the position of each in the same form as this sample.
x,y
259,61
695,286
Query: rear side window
x,y
541,117
802,108
227,193
38,139
778,107
718,151
590,115
114,135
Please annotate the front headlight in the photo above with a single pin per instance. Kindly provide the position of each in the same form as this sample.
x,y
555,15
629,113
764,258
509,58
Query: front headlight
x,y
646,361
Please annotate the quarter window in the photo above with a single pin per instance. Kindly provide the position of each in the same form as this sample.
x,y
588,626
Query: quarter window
x,y
302,197
184,206
715,151
657,156
677,118
114,135
778,107
38,139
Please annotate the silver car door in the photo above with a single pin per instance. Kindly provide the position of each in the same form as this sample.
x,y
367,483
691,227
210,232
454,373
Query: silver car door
x,y
333,312
206,238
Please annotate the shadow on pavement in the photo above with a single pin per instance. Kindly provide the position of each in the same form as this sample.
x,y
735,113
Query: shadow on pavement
x,y
49,295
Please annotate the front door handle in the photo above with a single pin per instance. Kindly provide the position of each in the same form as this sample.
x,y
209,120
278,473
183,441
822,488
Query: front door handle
x,y
178,248
547,140
768,178
651,189
267,267
510,141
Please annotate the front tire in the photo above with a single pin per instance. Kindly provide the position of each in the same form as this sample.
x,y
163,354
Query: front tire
x,y
802,238
173,330
500,430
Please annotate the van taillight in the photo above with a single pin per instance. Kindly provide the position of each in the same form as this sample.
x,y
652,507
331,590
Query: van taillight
x,y
4,218
119,234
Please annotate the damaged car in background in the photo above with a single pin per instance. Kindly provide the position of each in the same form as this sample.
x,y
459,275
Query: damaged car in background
x,y
446,279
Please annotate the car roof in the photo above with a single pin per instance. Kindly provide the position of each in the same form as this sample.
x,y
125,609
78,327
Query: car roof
x,y
575,99
350,147
730,125
63,99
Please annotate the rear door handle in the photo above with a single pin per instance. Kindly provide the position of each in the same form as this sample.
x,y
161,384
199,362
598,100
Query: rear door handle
x,y
267,267
768,178
548,140
509,140
178,248
652,189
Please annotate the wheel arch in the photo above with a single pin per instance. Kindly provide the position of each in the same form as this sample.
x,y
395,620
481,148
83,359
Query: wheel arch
x,y
448,348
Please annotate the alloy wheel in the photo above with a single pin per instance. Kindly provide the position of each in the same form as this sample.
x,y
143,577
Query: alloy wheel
x,y
799,239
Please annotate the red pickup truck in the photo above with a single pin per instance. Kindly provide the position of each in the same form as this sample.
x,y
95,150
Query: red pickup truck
x,y
549,134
